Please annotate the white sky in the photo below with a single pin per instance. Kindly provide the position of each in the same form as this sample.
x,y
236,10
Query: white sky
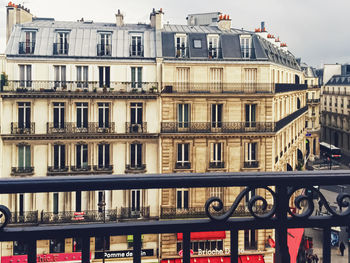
x,y
315,30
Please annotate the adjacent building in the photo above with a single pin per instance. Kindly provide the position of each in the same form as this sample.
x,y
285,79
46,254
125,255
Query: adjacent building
x,y
81,98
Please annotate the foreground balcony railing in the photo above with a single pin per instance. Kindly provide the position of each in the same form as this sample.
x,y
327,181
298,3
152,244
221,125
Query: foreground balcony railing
x,y
271,210
22,171
80,86
78,217
66,170
190,87
136,127
72,127
22,128
133,212
216,127
30,217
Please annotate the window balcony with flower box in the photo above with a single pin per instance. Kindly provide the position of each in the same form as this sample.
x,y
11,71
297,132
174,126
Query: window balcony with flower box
x,y
22,171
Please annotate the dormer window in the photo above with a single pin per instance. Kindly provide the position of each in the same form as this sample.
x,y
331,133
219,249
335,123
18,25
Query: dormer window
x,y
104,48
136,47
213,47
61,45
181,46
28,45
246,46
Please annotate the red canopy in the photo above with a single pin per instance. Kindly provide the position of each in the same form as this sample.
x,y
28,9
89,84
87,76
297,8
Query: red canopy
x,y
204,235
241,259
293,239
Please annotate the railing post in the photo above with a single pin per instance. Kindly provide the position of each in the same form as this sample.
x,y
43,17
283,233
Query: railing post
x,y
85,250
32,251
234,245
137,248
282,206
326,245
186,246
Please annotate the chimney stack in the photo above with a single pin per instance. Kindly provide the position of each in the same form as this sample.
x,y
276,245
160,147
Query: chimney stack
x,y
119,18
224,23
156,18
16,14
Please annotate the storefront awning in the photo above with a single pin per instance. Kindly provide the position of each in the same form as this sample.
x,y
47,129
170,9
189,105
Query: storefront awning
x,y
241,259
212,235
293,239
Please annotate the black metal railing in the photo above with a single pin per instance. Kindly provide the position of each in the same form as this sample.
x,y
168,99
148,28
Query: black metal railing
x,y
199,212
251,164
135,168
218,127
60,48
133,212
136,127
25,86
288,119
182,165
313,100
247,53
214,53
71,127
136,51
282,190
21,171
181,52
81,168
51,170
104,50
107,168
78,217
22,128
25,217
285,87
26,47
216,165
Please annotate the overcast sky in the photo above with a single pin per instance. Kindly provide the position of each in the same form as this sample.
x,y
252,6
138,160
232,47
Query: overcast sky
x,y
315,30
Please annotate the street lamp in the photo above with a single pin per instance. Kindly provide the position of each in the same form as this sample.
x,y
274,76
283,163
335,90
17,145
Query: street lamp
x,y
102,205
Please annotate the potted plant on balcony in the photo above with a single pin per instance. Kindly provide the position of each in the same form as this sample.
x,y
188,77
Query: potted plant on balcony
x,y
153,89
3,80
104,88
134,90
94,90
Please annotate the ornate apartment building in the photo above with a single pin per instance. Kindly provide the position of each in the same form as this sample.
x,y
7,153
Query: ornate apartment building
x,y
114,98
336,105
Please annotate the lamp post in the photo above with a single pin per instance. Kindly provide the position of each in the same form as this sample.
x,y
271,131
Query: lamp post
x,y
102,205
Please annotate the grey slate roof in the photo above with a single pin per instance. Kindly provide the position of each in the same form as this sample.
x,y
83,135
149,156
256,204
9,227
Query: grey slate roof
x,y
339,80
83,40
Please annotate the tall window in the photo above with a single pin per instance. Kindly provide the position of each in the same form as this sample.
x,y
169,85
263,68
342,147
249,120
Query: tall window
x,y
181,46
216,79
246,47
183,160
82,76
136,155
183,115
28,46
250,80
59,156
101,198
61,45
57,245
250,239
103,115
104,48
216,115
60,76
104,74
136,77
216,155
78,201
25,75
81,156
21,204
135,200
136,48
182,198
136,113
24,115
213,46
24,157
58,115
250,115
216,192
182,79
82,115
103,156
251,155
55,203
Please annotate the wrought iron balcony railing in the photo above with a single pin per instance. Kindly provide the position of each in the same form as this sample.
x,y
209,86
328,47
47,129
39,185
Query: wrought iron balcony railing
x,y
217,127
25,217
23,86
283,189
135,168
214,53
60,48
21,171
136,127
182,165
313,101
129,212
217,165
136,51
71,127
26,47
107,168
56,170
78,217
104,50
200,212
181,52
251,164
81,169
22,128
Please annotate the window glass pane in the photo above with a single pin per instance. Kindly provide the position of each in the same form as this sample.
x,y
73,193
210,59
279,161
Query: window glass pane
x,y
55,203
132,155
78,155
77,202
179,199
107,154
20,156
186,153
28,159
85,155
179,152
100,155
185,199
139,155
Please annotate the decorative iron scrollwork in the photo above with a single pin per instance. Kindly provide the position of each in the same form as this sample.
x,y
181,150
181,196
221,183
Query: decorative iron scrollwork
x,y
5,216
215,205
305,203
